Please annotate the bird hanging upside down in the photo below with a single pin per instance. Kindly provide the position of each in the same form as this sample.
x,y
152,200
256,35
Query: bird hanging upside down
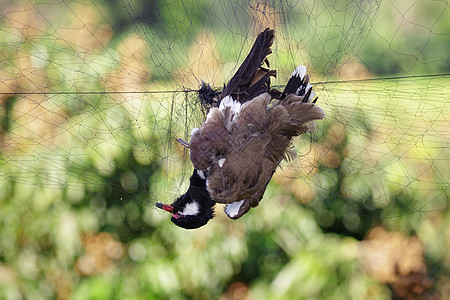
x,y
246,134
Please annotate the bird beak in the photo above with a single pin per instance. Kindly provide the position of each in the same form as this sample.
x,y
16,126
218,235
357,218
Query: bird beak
x,y
166,207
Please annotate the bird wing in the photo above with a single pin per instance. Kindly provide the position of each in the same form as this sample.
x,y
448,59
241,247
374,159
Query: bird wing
x,y
237,176
257,142
211,139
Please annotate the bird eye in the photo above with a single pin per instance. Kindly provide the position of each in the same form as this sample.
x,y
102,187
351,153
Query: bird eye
x,y
177,216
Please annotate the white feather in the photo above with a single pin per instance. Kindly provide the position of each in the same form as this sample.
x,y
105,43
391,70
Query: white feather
x,y
221,162
226,102
236,107
233,209
300,71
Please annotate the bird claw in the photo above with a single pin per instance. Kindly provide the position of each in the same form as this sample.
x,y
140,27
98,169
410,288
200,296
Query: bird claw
x,y
183,143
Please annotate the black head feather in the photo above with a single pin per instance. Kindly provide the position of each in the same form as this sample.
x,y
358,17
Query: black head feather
x,y
196,200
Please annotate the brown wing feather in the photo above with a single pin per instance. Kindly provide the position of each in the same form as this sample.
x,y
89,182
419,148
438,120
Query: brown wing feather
x,y
259,141
238,177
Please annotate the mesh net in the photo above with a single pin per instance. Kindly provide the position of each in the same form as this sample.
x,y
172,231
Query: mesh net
x,y
93,95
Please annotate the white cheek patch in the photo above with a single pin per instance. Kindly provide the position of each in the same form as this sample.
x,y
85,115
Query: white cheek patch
x,y
191,209
233,209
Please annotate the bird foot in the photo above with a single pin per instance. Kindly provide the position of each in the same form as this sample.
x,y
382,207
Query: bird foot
x,y
183,143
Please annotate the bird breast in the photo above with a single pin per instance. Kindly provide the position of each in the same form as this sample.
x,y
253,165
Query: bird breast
x,y
234,144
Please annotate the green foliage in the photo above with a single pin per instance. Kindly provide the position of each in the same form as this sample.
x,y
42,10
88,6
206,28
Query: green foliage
x,y
408,40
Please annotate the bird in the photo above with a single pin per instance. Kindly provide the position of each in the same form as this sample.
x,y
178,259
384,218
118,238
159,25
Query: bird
x,y
247,132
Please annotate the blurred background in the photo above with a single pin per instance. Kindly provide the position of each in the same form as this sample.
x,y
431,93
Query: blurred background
x,y
94,93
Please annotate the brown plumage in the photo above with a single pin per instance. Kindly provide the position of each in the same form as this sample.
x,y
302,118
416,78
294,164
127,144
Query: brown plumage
x,y
252,143
247,133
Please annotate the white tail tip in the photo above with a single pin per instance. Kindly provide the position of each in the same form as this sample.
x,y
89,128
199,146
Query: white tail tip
x,y
300,71
233,209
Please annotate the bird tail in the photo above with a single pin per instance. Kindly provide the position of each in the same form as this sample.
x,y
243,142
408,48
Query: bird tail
x,y
294,114
299,84
300,104
301,115
288,118
251,79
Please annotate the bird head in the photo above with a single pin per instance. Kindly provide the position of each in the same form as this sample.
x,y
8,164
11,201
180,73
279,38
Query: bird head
x,y
193,209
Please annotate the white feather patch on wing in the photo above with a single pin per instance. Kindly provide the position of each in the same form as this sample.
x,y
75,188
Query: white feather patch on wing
x,y
300,71
221,162
228,101
191,209
236,107
233,209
